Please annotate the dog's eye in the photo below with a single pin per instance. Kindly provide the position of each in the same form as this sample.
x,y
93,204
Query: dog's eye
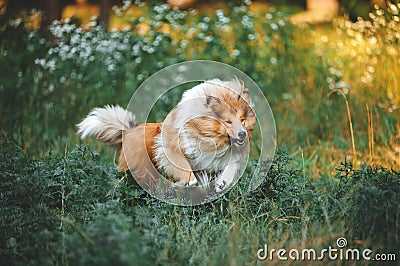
x,y
242,120
228,122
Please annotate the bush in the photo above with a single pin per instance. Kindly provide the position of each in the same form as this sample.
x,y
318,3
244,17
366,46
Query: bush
x,y
374,209
38,197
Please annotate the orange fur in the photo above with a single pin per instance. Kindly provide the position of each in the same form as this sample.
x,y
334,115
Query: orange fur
x,y
138,144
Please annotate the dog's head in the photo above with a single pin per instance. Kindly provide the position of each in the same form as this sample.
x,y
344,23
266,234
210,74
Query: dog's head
x,y
232,108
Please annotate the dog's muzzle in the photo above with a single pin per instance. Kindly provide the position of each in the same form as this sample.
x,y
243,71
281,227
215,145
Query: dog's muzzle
x,y
241,140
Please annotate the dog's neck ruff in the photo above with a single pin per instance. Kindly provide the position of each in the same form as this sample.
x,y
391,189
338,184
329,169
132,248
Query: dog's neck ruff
x,y
211,161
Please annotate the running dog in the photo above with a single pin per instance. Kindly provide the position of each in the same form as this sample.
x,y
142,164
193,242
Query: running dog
x,y
206,136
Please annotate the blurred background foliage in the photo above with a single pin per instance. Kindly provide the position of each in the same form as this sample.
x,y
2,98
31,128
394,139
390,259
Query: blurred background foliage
x,y
52,78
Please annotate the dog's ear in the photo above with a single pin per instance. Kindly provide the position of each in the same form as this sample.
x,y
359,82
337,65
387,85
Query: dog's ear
x,y
244,92
241,83
211,101
214,104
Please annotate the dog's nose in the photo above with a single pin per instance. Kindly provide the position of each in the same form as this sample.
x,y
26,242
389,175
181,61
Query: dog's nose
x,y
242,134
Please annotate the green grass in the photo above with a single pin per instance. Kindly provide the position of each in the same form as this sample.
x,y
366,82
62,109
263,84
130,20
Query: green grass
x,y
63,202
76,209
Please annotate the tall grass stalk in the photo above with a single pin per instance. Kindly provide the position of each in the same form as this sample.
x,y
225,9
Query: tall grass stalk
x,y
353,146
62,210
370,134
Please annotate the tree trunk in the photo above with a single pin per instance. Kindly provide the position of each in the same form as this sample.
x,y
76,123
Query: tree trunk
x,y
105,8
52,11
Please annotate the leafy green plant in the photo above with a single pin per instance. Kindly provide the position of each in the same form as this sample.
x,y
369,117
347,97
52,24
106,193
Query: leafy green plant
x,y
38,197
374,205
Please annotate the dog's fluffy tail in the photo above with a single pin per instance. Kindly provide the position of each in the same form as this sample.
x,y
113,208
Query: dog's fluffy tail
x,y
107,124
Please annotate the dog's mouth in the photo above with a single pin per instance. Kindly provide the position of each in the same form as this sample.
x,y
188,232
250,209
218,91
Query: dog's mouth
x,y
238,142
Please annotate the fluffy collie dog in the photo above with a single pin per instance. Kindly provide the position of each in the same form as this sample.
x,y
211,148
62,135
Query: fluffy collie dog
x,y
206,136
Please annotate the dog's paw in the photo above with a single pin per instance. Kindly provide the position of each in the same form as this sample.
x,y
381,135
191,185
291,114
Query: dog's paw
x,y
219,186
192,182
177,184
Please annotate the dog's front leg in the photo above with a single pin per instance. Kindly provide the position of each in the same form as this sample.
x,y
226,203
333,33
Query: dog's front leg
x,y
227,176
181,171
237,161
